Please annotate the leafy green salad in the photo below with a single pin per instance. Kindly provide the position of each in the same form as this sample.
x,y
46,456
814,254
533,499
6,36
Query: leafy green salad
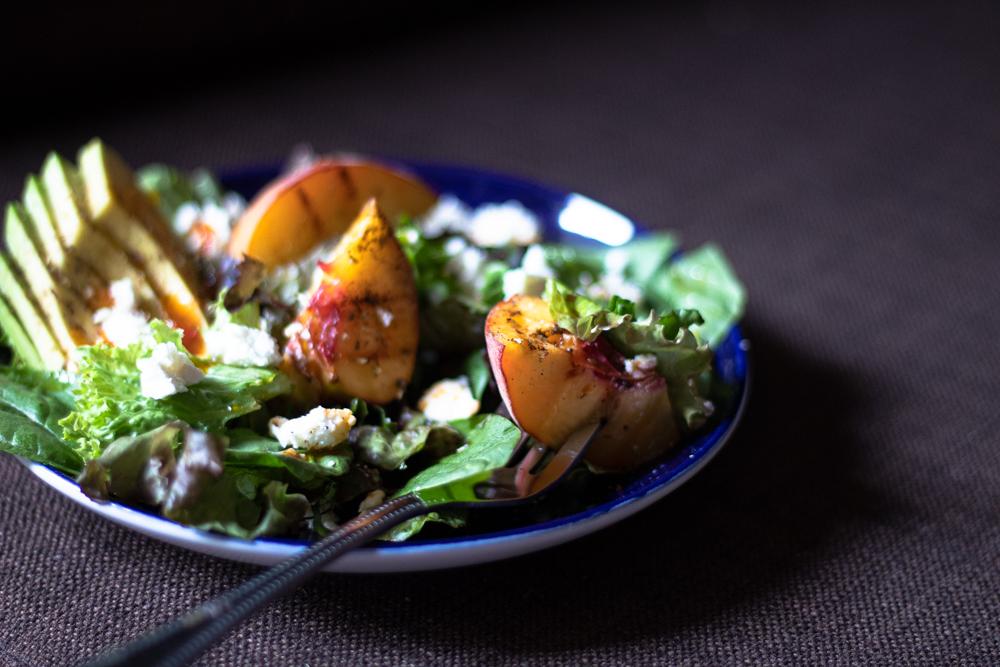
x,y
275,367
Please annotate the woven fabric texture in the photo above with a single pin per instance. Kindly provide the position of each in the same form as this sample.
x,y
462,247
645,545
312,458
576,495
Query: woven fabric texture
x,y
848,162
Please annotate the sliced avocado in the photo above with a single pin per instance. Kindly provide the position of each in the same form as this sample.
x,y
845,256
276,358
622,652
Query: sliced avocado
x,y
84,240
46,347
71,322
118,207
18,340
113,192
67,269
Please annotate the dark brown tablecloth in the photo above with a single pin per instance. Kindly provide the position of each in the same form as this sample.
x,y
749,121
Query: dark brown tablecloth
x,y
849,162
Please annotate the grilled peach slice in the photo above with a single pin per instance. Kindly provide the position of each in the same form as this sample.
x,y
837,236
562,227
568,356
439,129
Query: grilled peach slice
x,y
294,214
554,383
358,335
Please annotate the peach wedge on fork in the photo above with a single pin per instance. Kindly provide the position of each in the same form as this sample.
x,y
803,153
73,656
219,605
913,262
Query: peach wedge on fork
x,y
553,383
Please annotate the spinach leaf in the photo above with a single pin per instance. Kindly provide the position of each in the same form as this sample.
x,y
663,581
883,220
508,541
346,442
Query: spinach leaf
x,y
248,450
38,395
31,405
408,529
702,280
477,369
489,442
640,259
22,436
388,449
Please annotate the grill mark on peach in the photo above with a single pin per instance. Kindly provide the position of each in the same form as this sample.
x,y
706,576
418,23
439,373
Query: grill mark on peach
x,y
345,178
311,215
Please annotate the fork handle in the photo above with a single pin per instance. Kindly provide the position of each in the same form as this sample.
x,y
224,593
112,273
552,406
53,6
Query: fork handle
x,y
182,640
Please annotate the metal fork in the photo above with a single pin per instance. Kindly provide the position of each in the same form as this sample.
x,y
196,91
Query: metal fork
x,y
532,470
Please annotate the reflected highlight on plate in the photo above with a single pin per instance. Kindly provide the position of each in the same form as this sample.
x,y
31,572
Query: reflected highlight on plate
x,y
593,220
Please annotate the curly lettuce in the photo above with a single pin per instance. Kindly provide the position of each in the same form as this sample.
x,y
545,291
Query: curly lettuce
x,y
680,357
109,404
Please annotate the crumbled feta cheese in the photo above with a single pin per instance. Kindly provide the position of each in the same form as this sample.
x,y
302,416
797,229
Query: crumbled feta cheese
x,y
121,327
489,225
185,216
293,283
614,282
454,246
449,214
123,293
640,365
530,278
123,323
467,264
534,262
217,219
241,346
447,400
167,371
320,428
234,204
614,285
510,223
519,281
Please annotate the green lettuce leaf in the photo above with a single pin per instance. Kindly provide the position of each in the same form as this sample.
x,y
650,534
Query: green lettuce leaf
x,y
135,468
194,488
263,455
429,261
574,265
243,504
477,370
645,256
490,441
31,405
109,404
452,314
170,187
387,448
701,280
579,315
21,436
408,529
680,358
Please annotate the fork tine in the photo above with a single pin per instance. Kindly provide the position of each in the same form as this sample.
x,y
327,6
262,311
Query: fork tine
x,y
570,452
521,450
523,476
